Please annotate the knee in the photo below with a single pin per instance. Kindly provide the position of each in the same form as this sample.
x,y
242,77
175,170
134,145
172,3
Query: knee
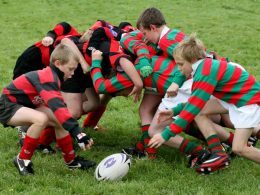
x,y
76,114
42,120
238,149
95,105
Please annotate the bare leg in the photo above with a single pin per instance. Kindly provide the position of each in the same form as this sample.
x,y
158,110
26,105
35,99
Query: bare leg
x,y
240,147
91,100
27,116
74,103
148,107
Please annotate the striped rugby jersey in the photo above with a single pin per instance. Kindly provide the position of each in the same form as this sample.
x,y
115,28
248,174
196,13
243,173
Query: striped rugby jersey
x,y
164,73
42,87
218,78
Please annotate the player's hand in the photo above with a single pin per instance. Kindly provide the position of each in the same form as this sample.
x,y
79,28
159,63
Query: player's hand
x,y
136,93
145,71
84,141
96,54
86,35
156,141
164,115
47,41
172,90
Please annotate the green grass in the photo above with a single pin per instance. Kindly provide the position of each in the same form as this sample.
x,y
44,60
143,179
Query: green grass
x,y
230,27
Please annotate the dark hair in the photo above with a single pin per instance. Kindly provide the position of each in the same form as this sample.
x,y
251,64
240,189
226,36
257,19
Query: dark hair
x,y
150,16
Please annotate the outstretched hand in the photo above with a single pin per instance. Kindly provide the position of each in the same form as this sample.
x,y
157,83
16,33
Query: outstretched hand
x,y
136,93
156,141
84,141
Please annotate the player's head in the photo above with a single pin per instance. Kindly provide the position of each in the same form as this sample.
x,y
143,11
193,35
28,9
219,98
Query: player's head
x,y
65,59
126,27
150,23
188,52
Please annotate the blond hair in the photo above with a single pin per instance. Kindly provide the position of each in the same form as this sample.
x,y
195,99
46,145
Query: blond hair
x,y
190,49
64,54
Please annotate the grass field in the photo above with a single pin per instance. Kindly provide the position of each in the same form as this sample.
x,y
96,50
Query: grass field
x,y
230,27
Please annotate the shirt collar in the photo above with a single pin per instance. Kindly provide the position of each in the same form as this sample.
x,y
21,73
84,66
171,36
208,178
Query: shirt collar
x,y
164,31
58,72
195,66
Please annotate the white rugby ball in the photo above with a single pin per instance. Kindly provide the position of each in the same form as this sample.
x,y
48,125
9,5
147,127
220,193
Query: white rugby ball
x,y
113,167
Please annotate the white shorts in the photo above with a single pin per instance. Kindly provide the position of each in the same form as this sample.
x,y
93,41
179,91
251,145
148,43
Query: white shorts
x,y
243,117
183,95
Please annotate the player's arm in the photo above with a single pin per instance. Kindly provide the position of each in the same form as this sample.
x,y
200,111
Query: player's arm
x,y
133,42
85,66
202,90
52,97
60,29
114,84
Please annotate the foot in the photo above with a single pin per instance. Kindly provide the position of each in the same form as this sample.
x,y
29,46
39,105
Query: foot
x,y
99,128
213,163
133,152
196,160
46,149
252,141
24,166
81,163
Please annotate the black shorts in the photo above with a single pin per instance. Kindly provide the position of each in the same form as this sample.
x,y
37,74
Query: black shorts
x,y
7,110
78,83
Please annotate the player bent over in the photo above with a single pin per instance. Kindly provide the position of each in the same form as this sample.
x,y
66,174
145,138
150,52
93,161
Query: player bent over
x,y
35,99
236,92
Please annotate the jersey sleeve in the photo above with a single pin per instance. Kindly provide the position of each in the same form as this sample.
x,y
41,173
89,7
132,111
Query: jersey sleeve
x,y
202,88
110,85
62,28
169,42
51,95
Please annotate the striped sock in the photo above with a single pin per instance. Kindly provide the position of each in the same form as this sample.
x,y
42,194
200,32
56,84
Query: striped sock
x,y
214,144
29,146
140,143
146,138
190,148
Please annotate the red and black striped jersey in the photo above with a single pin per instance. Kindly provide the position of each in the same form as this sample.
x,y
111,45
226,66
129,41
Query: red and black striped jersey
x,y
37,56
39,88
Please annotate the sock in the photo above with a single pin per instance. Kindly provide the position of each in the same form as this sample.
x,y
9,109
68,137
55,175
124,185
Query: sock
x,y
29,146
214,144
92,118
230,139
47,136
145,140
140,143
190,148
66,146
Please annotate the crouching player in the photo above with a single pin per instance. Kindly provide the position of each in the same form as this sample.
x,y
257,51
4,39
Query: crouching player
x,y
236,92
35,99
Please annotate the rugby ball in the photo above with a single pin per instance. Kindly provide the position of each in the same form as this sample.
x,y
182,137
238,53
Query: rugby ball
x,y
113,167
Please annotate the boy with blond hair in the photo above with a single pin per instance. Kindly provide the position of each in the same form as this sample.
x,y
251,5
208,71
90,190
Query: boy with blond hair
x,y
34,99
234,91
